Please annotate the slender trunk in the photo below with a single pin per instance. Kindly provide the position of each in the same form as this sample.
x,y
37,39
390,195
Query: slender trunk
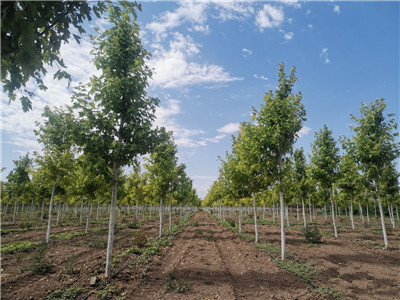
x,y
32,209
351,211
136,210
255,217
240,216
397,213
15,211
88,215
367,214
58,212
378,192
5,210
97,213
282,204
361,212
309,208
110,241
287,216
50,212
273,210
170,211
304,212
264,209
81,216
325,212
333,214
161,214
297,210
22,209
42,213
375,208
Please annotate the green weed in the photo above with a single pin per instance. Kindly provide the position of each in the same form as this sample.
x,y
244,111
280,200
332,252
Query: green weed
x,y
18,246
312,234
66,294
305,271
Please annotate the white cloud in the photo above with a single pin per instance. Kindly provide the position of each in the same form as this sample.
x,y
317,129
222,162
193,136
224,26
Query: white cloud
x,y
246,52
308,12
304,131
324,55
215,139
294,3
19,125
269,17
260,77
233,10
288,36
336,9
193,12
310,26
174,70
229,128
290,20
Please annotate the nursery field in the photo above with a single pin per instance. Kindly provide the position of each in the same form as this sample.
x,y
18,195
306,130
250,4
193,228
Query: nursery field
x,y
200,258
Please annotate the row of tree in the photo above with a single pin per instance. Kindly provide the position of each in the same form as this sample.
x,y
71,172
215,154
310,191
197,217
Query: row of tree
x,y
262,161
109,126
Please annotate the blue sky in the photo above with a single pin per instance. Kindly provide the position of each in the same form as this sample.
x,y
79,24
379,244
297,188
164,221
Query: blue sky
x,y
214,60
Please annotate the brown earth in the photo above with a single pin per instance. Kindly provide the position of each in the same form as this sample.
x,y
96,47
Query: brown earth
x,y
208,261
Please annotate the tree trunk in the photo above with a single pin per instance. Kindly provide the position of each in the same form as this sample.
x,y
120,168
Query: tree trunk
x,y
161,214
97,213
361,212
5,210
287,216
378,192
110,241
367,214
273,210
170,211
397,213
81,216
325,212
255,217
333,214
351,212
50,212
32,209
88,215
15,211
304,212
297,210
42,213
240,216
22,209
309,207
283,237
58,212
264,209
136,210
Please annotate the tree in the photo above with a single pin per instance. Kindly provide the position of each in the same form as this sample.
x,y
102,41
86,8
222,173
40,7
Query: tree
x,y
349,177
56,161
115,114
18,180
279,120
162,167
301,178
376,146
324,164
31,36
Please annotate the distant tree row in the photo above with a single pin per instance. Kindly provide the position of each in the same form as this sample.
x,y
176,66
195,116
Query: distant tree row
x,y
263,164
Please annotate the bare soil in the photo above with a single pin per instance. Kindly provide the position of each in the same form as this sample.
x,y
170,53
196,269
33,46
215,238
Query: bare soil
x,y
208,261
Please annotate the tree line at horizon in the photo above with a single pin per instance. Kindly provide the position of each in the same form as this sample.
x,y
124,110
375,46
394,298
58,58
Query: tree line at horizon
x,y
263,166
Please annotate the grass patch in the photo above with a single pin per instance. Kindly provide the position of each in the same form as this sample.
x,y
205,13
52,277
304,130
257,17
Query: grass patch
x,y
18,246
328,292
172,285
66,236
66,294
305,271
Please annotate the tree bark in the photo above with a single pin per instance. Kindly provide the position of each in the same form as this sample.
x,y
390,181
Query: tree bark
x,y
15,211
170,211
81,216
378,192
58,212
255,217
42,213
351,212
50,212
161,214
304,212
88,215
110,241
297,210
309,207
240,216
333,214
361,212
273,210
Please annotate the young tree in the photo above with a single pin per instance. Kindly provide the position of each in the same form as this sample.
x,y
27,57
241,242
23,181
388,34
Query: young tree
x,y
18,180
324,164
56,161
376,146
301,178
163,170
115,113
349,177
279,120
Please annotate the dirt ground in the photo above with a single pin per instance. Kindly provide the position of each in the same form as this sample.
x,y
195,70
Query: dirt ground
x,y
208,261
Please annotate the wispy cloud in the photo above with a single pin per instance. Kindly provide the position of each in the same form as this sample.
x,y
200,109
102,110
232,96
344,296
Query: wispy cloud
x,y
304,131
229,128
262,77
269,17
324,55
246,52
288,36
336,9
